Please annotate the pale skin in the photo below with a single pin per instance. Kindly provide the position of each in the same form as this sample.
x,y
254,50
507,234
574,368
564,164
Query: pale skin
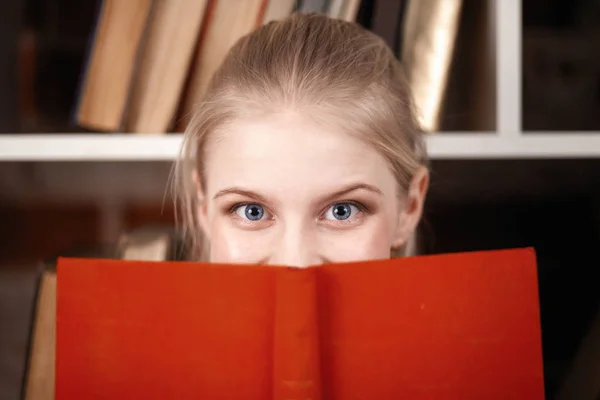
x,y
285,191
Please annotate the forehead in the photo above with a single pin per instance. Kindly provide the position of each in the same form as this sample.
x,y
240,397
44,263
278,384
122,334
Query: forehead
x,y
288,153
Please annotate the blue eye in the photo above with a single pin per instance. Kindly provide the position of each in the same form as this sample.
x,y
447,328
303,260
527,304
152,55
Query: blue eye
x,y
252,212
341,211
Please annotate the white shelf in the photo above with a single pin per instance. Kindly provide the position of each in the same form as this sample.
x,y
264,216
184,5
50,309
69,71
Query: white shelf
x,y
89,147
531,145
131,147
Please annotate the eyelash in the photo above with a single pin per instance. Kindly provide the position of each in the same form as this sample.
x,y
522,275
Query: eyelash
x,y
363,209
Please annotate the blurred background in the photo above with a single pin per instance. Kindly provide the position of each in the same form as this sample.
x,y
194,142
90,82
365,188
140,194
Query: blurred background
x,y
90,123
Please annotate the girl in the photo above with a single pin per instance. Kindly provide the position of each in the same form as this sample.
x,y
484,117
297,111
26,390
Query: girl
x,y
306,150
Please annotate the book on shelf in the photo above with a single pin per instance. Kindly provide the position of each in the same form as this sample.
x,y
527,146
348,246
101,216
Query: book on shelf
x,y
346,10
349,10
152,242
277,10
147,242
226,21
149,61
313,6
428,35
39,380
461,325
163,63
40,374
111,62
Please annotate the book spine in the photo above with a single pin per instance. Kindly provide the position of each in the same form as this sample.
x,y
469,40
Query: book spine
x,y
296,364
429,36
80,88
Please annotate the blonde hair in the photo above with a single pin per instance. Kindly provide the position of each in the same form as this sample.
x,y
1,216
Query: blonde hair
x,y
331,70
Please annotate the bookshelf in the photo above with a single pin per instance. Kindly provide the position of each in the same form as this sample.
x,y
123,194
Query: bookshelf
x,y
506,182
507,141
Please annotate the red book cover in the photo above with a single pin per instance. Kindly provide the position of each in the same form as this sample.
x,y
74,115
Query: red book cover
x,y
452,326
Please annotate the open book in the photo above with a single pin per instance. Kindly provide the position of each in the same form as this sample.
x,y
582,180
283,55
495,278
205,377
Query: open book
x,y
463,325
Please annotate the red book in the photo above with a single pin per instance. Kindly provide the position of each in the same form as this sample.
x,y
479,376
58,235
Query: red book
x,y
453,326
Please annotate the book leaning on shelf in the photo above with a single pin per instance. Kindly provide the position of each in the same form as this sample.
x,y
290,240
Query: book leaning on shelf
x,y
462,325
149,61
148,58
148,242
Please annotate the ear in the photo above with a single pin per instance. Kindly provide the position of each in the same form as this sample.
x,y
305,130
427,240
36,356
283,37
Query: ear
x,y
412,208
202,211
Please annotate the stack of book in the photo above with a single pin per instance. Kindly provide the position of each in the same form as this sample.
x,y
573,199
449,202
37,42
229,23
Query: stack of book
x,y
150,61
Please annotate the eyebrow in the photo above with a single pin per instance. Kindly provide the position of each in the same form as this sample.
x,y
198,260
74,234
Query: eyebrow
x,y
351,188
242,192
348,189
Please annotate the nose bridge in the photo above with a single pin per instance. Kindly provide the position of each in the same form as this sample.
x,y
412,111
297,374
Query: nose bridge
x,y
296,246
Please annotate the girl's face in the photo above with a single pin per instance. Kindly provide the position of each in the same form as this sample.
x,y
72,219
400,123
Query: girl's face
x,y
284,191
